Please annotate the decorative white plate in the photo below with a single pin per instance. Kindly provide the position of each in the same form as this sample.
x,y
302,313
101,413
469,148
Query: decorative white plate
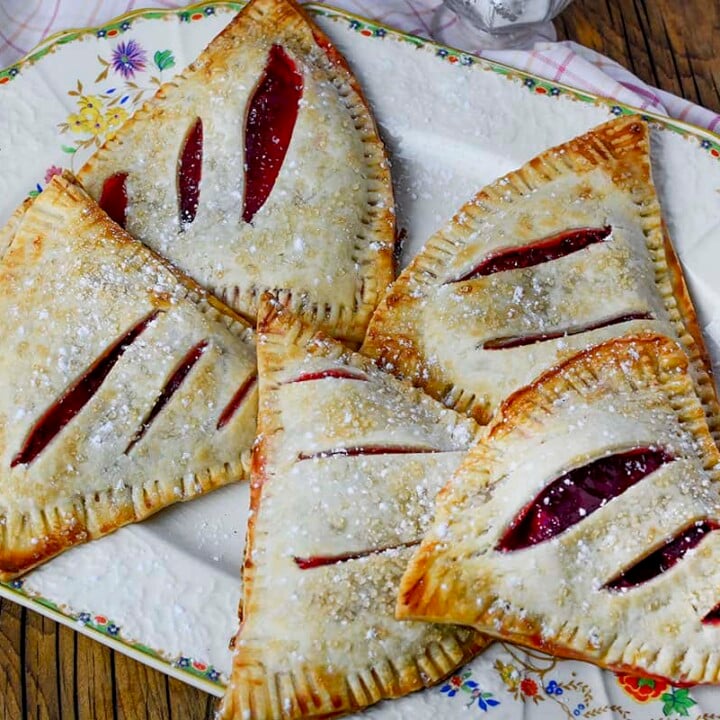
x,y
166,591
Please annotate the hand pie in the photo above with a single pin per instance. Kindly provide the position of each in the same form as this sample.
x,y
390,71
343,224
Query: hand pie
x,y
345,471
123,387
560,255
260,167
603,548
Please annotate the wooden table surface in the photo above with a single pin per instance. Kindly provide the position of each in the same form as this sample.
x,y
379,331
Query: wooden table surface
x,y
49,671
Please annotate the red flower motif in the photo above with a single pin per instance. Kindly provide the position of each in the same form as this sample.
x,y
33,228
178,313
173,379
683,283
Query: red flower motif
x,y
101,620
51,172
529,687
456,681
642,689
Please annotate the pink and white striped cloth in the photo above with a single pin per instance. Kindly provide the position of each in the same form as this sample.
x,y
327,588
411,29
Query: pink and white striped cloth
x,y
24,23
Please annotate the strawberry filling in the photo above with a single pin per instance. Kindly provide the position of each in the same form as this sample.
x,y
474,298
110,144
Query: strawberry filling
x,y
368,450
269,127
58,415
171,387
321,560
236,401
540,251
577,494
664,558
338,373
512,341
113,198
189,174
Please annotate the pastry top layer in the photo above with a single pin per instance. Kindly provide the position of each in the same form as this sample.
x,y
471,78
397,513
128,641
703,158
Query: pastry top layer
x,y
345,472
325,234
583,590
557,256
114,374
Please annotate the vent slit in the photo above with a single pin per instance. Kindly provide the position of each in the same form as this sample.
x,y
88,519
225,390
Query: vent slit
x,y
538,252
170,388
74,399
189,174
512,341
577,494
663,558
269,126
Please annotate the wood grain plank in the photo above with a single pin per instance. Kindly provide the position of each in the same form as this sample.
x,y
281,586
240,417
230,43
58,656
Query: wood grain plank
x,y
67,641
668,44
93,680
11,660
189,703
41,668
140,692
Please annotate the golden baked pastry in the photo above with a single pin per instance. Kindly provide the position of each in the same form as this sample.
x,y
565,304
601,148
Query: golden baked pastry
x,y
260,167
557,256
345,471
585,523
124,387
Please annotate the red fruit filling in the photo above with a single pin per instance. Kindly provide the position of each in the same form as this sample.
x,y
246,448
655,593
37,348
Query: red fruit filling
x,y
579,493
269,127
332,373
512,341
171,387
368,450
540,251
322,560
713,617
113,198
664,558
189,174
236,401
58,415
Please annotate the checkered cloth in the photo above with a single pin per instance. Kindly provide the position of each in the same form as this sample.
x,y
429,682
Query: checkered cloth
x,y
24,23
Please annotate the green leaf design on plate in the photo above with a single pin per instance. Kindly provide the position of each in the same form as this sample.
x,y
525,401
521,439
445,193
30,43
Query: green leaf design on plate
x,y
646,682
164,59
678,701
69,150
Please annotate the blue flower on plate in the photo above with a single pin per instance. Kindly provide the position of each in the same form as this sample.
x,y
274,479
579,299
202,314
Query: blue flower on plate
x,y
101,33
84,618
113,630
209,10
442,52
616,110
354,25
530,83
466,60
183,662
552,688
17,584
705,144
554,91
380,32
213,675
125,25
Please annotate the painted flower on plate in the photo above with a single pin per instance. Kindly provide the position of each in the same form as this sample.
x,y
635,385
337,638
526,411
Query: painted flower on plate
x,y
642,689
128,58
51,172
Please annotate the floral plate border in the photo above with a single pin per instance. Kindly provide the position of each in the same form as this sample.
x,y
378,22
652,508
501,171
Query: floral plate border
x,y
525,678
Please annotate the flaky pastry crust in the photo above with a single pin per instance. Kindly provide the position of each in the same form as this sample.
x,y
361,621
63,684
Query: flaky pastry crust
x,y
106,417
560,594
324,238
437,329
321,640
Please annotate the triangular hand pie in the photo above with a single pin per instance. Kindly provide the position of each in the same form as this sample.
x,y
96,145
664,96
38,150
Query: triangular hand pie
x,y
260,167
123,386
603,548
345,471
564,253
